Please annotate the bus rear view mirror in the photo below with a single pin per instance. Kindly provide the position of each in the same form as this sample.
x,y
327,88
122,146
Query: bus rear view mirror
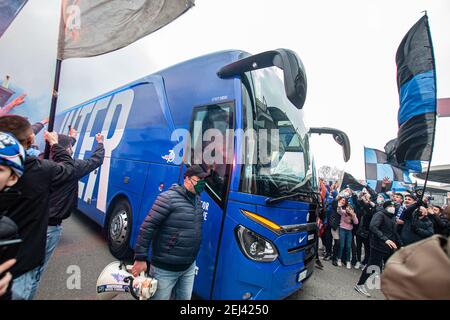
x,y
295,83
339,136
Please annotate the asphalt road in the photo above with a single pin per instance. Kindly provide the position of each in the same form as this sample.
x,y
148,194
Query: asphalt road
x,y
83,251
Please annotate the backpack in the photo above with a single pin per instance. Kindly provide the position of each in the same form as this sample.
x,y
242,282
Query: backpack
x,y
334,220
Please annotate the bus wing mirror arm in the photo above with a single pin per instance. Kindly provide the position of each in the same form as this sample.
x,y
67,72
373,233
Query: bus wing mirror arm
x,y
295,83
339,136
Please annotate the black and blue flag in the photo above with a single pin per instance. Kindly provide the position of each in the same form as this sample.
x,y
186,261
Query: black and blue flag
x,y
9,9
377,169
416,79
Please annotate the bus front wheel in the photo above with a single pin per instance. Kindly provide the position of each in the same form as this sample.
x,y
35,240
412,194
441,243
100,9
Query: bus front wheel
x,y
119,230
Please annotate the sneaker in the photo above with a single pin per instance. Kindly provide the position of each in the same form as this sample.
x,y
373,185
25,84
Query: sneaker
x,y
339,263
334,263
361,289
327,257
349,265
357,265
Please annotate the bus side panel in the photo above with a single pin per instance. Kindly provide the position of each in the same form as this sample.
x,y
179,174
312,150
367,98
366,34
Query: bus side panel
x,y
159,178
128,175
194,84
136,131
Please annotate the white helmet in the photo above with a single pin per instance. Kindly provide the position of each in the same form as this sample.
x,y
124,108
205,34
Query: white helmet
x,y
115,279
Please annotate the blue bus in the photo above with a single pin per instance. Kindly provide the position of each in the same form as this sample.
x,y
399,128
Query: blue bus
x,y
259,231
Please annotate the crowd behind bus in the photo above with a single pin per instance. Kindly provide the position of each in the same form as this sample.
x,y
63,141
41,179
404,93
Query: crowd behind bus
x,y
363,228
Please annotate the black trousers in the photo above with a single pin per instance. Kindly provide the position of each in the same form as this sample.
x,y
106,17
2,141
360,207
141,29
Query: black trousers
x,y
376,258
327,240
360,242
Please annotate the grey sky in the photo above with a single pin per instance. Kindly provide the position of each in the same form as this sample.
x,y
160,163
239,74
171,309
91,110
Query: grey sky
x,y
348,48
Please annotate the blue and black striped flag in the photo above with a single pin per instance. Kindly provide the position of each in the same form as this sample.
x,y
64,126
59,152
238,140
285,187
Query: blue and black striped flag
x,y
416,79
377,169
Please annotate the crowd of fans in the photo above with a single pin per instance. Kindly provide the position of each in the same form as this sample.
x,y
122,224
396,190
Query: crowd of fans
x,y
363,228
36,195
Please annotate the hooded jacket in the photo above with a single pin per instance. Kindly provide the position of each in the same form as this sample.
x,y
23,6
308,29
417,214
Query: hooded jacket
x,y
174,228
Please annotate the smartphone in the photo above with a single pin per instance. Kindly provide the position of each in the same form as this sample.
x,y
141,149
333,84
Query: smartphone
x,y
9,249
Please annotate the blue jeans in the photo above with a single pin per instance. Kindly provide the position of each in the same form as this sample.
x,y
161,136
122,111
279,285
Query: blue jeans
x,y
25,286
345,240
53,237
180,284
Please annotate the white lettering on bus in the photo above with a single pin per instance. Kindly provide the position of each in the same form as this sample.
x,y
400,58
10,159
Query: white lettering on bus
x,y
123,99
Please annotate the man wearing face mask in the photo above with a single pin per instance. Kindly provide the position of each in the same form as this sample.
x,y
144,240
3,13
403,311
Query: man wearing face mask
x,y
174,228
384,240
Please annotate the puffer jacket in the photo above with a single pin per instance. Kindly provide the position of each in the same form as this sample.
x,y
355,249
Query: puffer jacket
x,y
174,228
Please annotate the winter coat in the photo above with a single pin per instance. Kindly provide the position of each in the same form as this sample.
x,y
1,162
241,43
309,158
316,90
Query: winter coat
x,y
383,227
417,229
440,225
31,212
174,228
364,222
413,230
65,199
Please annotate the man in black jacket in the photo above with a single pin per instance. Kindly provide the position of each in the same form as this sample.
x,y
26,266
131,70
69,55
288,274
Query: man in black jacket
x,y
174,227
12,165
31,212
384,239
65,199
417,225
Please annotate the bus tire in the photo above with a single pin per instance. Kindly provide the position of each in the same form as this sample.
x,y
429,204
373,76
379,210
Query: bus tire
x,y
119,230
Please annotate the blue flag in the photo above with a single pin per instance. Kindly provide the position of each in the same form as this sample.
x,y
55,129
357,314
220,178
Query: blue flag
x,y
377,169
9,9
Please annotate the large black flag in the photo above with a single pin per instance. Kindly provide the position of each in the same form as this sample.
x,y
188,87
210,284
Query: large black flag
x,y
416,79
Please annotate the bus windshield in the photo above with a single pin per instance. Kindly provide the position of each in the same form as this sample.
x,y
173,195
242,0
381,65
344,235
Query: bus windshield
x,y
278,163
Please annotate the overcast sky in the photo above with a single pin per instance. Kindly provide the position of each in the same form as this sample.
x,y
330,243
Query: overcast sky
x,y
348,49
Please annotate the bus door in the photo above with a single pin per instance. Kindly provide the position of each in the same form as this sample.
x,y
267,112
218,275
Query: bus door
x,y
212,147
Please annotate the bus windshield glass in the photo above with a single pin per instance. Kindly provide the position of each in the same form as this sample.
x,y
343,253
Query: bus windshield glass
x,y
276,148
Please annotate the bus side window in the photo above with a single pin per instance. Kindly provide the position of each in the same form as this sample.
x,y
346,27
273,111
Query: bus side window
x,y
212,145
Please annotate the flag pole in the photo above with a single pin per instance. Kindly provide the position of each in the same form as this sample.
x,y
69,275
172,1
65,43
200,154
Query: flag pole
x,y
435,108
55,91
51,118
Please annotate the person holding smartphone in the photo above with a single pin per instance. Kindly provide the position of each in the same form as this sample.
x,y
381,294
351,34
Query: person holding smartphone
x,y
12,159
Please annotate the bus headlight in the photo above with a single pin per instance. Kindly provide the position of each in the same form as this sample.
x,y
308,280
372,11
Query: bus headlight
x,y
254,246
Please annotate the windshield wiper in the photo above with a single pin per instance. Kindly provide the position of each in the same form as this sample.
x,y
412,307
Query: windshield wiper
x,y
311,194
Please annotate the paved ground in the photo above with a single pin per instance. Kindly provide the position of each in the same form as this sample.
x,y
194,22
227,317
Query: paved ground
x,y
84,249
334,283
